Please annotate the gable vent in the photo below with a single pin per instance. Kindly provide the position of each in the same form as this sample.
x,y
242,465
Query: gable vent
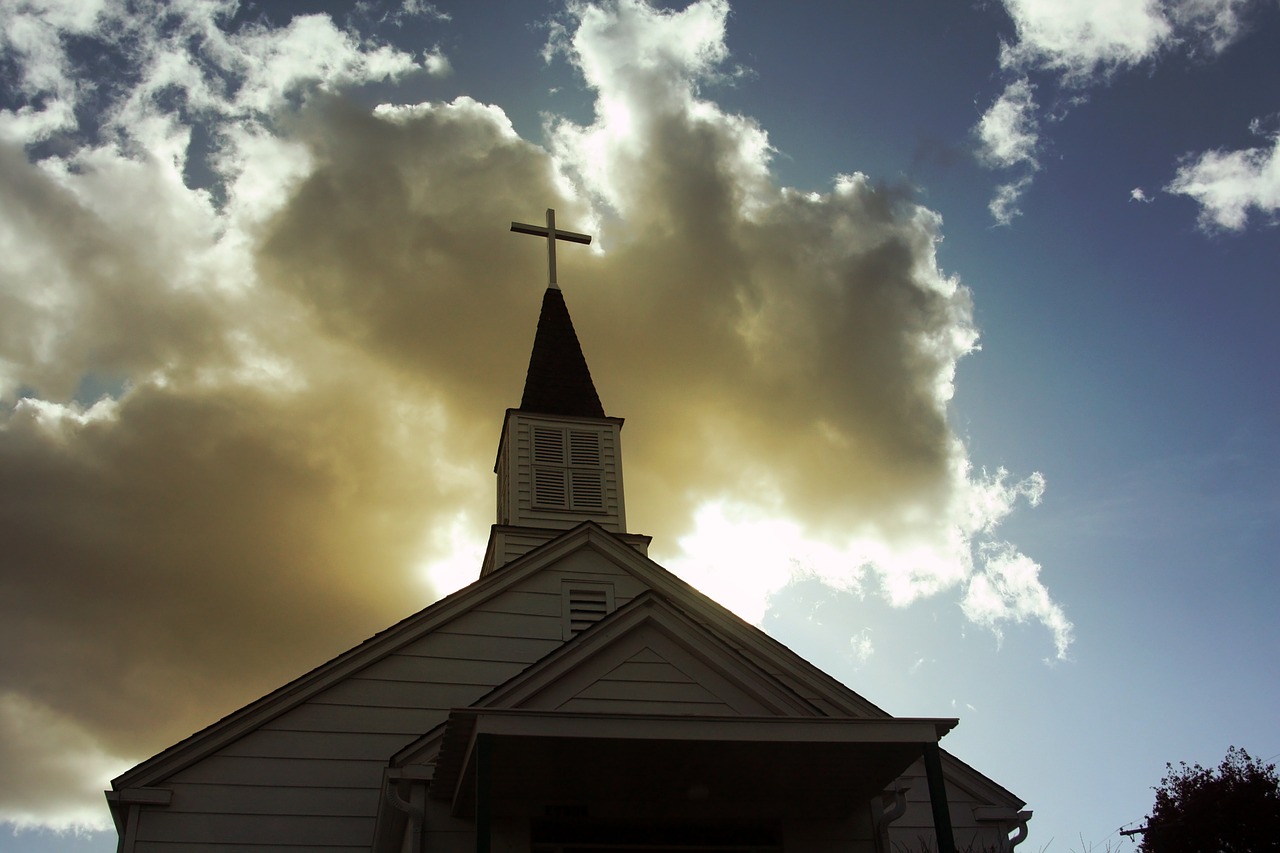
x,y
584,606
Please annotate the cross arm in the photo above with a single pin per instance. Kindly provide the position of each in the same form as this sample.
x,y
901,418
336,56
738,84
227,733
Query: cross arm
x,y
541,231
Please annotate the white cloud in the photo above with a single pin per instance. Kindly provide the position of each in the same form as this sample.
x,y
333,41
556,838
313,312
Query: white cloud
x,y
437,63
861,646
1004,204
180,48
1008,588
1081,38
1076,44
1229,184
1213,24
1008,130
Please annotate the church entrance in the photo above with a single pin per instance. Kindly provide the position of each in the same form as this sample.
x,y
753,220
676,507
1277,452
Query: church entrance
x,y
552,836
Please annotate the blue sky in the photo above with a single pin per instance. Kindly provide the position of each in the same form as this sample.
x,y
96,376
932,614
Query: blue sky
x,y
246,305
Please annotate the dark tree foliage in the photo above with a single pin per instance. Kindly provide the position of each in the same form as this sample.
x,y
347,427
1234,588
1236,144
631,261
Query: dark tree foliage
x,y
1233,808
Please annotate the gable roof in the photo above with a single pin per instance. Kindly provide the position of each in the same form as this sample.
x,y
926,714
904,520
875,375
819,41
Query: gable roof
x,y
761,666
558,381
652,634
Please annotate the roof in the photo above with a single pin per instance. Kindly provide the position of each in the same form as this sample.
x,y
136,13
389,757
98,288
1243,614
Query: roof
x,y
558,381
673,596
586,535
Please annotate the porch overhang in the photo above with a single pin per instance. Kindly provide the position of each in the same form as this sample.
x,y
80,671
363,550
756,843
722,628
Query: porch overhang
x,y
783,766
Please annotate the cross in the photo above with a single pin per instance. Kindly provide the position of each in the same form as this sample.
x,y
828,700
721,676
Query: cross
x,y
552,236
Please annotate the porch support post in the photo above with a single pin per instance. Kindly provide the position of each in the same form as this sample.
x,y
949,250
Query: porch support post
x,y
484,750
938,798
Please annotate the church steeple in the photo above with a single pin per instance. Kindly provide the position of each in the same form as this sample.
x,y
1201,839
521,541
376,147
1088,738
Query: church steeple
x,y
558,381
560,457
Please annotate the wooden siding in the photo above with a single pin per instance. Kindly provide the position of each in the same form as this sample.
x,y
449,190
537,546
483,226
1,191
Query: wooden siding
x,y
647,670
913,832
518,469
310,777
241,831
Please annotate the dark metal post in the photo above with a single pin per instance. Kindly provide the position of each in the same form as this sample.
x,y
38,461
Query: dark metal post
x,y
484,748
938,798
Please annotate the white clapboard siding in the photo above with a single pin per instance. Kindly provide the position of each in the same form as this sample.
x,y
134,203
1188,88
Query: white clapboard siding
x,y
914,830
679,693
299,764
516,475
633,706
194,798
240,831
534,601
324,718
285,772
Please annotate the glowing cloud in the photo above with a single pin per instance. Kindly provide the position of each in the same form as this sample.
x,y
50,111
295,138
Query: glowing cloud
x,y
250,391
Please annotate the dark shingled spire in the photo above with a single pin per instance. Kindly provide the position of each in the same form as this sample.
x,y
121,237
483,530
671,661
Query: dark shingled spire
x,y
558,382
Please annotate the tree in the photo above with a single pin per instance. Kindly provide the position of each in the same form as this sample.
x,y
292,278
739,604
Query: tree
x,y
1234,808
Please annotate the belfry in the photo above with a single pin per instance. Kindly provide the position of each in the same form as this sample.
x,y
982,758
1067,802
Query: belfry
x,y
577,697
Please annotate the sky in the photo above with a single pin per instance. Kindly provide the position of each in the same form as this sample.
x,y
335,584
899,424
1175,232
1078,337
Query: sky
x,y
944,335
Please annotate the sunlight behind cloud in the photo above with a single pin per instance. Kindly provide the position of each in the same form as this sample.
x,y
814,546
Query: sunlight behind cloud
x,y
312,319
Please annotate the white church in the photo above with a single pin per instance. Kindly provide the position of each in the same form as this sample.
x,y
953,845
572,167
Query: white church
x,y
576,698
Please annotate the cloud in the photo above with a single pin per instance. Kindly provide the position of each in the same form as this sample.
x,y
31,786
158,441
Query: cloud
x,y
1008,135
1007,131
1008,588
437,63
1072,46
1082,39
1004,204
250,386
1228,184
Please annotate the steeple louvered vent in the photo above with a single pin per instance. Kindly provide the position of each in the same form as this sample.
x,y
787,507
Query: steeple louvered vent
x,y
548,446
584,605
584,448
586,490
568,473
549,488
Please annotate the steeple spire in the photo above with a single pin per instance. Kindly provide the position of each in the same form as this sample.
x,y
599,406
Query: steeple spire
x,y
558,381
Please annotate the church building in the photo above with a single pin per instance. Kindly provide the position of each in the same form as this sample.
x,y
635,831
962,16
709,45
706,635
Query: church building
x,y
576,698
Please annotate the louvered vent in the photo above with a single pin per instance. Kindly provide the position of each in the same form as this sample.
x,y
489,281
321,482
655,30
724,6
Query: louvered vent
x,y
548,446
584,449
585,605
586,490
568,469
548,488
